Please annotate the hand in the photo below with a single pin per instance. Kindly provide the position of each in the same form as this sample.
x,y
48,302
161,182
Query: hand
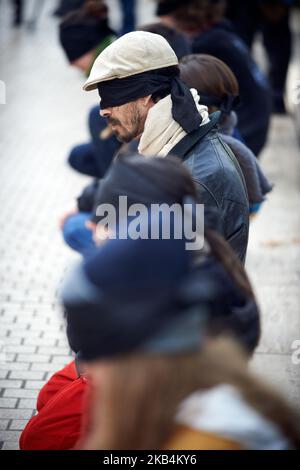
x,y
72,210
100,233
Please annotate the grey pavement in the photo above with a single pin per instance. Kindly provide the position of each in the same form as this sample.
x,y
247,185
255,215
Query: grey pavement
x,y
44,115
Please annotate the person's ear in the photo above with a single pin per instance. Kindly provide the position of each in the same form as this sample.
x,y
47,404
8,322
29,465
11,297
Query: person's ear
x,y
147,101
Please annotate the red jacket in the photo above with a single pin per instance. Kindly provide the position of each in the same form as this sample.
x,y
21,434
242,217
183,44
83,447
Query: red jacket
x,y
60,407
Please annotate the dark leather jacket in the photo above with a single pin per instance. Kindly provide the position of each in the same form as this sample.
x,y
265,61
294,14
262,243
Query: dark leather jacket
x,y
220,184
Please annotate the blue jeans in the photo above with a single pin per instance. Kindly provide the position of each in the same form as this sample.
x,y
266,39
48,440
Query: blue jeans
x,y
76,235
128,7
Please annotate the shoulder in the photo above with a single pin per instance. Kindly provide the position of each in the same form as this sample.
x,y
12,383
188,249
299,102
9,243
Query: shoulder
x,y
239,148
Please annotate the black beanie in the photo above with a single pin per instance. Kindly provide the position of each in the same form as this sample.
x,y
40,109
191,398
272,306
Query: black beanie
x,y
80,34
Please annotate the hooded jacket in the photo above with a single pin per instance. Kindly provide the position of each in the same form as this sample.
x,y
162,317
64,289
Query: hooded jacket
x,y
256,181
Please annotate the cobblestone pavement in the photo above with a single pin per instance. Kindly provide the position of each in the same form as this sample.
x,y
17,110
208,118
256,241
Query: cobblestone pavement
x,y
44,116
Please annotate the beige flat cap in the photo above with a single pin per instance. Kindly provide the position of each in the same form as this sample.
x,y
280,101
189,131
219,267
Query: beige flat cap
x,y
133,53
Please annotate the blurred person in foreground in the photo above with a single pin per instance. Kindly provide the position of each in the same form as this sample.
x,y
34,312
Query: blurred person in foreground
x,y
157,381
144,99
218,88
132,280
210,33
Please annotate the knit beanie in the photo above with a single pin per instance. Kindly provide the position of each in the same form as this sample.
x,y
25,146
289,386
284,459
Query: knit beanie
x,y
81,31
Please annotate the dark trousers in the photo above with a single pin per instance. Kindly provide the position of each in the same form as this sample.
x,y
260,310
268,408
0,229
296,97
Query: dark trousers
x,y
250,17
128,7
18,11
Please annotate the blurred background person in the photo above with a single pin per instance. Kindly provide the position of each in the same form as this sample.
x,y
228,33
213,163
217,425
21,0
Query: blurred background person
x,y
129,15
18,7
272,19
128,9
210,33
178,41
83,34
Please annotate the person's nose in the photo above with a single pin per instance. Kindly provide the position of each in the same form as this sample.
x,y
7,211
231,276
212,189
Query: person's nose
x,y
106,112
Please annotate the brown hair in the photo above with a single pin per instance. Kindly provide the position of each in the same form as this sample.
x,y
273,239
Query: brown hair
x,y
96,8
134,404
208,75
90,10
197,14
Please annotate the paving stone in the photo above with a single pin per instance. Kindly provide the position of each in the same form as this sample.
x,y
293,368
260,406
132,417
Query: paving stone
x,y
16,414
62,342
40,341
10,357
34,384
51,367
18,424
20,393
62,359
9,435
10,383
27,403
8,340
26,375
54,350
11,445
33,358
7,403
4,424
26,334
14,366
20,349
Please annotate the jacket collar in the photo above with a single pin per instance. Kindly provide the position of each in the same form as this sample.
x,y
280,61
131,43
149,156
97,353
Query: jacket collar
x,y
189,141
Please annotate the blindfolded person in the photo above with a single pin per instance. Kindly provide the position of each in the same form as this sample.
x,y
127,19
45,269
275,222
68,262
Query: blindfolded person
x,y
143,97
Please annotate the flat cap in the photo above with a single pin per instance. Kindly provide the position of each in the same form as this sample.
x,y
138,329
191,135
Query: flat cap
x,y
131,54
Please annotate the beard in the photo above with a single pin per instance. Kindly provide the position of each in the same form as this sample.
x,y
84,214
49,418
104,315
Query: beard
x,y
125,137
131,129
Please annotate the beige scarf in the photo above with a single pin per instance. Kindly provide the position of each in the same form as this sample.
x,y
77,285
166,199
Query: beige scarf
x,y
161,132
